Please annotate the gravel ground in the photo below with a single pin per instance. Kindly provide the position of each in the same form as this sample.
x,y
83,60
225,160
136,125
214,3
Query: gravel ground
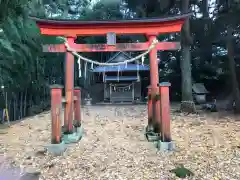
x,y
114,147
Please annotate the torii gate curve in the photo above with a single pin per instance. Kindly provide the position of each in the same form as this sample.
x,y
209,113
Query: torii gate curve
x,y
158,103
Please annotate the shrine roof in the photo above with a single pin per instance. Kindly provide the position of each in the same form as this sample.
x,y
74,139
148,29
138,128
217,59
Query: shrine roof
x,y
108,22
120,57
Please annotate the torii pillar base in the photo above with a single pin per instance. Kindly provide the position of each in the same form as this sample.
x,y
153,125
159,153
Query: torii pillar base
x,y
56,149
166,146
74,137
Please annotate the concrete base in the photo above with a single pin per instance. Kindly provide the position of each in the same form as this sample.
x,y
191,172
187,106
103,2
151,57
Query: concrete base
x,y
64,130
56,149
151,137
79,130
166,146
73,138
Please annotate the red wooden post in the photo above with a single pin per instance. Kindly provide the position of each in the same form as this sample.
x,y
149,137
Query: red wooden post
x,y
56,108
154,79
77,107
69,85
165,112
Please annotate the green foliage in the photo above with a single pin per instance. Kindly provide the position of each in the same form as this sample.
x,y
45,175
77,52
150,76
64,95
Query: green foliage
x,y
24,69
182,172
12,8
105,11
151,8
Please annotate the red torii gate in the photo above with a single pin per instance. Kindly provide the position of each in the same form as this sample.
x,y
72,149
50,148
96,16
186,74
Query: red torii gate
x,y
70,29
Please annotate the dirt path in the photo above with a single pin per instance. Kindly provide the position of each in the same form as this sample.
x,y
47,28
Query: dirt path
x,y
114,147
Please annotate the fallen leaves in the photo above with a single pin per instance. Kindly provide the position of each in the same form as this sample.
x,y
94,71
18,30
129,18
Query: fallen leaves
x,y
114,147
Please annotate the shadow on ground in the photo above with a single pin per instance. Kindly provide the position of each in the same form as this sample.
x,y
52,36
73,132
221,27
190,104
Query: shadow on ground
x,y
9,172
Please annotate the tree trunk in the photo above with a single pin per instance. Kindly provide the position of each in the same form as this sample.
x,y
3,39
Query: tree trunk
x,y
21,105
9,105
44,94
30,104
187,104
186,74
25,104
206,45
15,108
232,69
7,108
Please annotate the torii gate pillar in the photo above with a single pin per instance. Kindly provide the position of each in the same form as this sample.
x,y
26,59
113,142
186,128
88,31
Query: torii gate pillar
x,y
69,88
154,81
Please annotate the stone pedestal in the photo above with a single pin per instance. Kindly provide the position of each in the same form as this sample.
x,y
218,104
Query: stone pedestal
x,y
73,138
166,146
56,149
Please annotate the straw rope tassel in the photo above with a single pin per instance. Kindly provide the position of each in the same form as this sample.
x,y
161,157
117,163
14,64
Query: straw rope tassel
x,y
118,73
104,69
79,68
74,52
143,59
85,71
138,77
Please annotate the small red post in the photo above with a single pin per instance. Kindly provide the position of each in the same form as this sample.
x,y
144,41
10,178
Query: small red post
x,y
165,112
56,108
69,85
77,107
